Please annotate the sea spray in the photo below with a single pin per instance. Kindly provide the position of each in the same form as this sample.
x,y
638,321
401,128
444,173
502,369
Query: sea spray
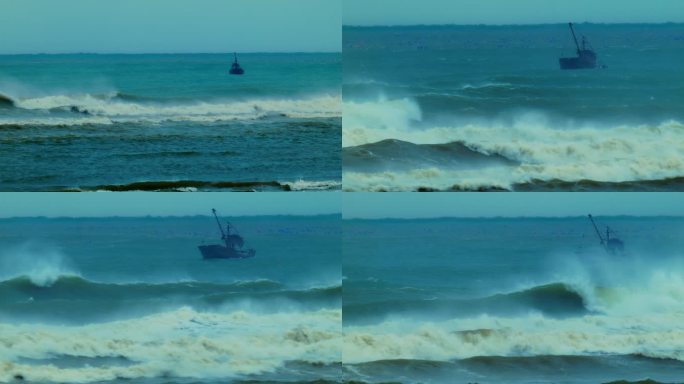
x,y
42,264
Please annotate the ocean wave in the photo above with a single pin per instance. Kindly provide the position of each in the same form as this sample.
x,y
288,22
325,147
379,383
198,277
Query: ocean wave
x,y
616,307
393,155
35,263
197,185
84,289
544,151
120,108
555,299
6,101
521,369
182,343
74,299
79,283
312,185
652,335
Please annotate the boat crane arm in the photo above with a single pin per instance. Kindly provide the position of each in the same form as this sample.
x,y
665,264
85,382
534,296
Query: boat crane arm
x,y
596,229
574,37
223,234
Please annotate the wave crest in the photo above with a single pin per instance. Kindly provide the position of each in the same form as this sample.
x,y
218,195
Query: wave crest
x,y
118,108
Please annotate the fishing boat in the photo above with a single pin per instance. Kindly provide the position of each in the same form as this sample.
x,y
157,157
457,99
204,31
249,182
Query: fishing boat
x,y
236,69
586,57
612,245
233,248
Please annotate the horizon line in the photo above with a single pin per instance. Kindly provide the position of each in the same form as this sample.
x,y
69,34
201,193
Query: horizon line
x,y
169,53
508,217
171,216
504,24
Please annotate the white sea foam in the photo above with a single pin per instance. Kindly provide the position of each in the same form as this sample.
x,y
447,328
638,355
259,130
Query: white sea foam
x,y
545,151
56,121
654,335
109,109
313,185
179,343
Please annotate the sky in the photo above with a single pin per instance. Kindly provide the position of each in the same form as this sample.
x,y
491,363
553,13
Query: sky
x,y
550,204
56,204
352,205
411,12
169,26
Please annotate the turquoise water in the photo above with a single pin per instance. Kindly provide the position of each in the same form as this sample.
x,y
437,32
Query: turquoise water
x,y
487,108
512,301
179,119
116,299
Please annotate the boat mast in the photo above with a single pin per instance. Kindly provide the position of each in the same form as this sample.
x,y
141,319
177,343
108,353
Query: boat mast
x,y
235,55
223,235
597,230
574,38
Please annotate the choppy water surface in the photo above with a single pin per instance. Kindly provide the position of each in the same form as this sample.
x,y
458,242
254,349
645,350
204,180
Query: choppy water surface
x,y
170,122
114,300
487,108
512,301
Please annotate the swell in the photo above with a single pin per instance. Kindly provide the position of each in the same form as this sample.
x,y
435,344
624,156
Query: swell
x,y
195,185
556,299
609,369
5,101
76,287
658,185
672,184
393,155
74,299
188,184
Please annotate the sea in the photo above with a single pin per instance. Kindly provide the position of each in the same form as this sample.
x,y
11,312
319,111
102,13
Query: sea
x,y
130,300
487,108
512,301
170,122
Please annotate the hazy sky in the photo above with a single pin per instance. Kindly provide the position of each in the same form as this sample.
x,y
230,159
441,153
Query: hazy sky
x,y
162,26
406,12
165,204
421,205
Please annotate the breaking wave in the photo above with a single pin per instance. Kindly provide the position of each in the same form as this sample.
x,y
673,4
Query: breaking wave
x,y
37,264
197,185
21,288
543,151
653,335
615,307
120,108
182,343
553,300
